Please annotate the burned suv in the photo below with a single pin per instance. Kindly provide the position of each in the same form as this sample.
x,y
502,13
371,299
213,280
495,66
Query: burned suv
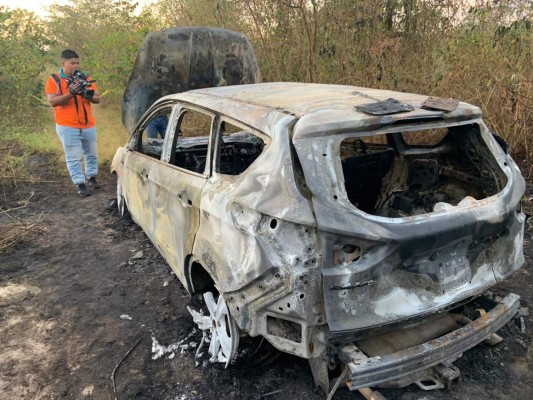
x,y
348,226
341,225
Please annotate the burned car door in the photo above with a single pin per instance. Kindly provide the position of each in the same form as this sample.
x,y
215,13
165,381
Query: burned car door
x,y
172,61
178,181
227,233
138,162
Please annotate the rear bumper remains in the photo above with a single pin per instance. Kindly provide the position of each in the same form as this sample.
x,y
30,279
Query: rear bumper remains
x,y
431,359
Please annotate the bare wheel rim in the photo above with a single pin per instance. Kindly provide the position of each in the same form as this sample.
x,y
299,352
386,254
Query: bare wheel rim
x,y
224,330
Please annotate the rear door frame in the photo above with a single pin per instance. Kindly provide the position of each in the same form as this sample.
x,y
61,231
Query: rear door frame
x,y
177,195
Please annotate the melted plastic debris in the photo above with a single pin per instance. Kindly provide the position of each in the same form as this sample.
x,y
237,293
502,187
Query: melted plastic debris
x,y
385,107
199,355
125,317
203,322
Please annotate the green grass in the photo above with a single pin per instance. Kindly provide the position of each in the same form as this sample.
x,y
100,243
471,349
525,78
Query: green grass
x,y
111,132
40,136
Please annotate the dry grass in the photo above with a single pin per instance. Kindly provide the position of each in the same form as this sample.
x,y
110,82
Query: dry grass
x,y
478,52
15,224
111,132
17,229
43,139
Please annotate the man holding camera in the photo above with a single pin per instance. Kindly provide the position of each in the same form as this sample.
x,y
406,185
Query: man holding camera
x,y
71,93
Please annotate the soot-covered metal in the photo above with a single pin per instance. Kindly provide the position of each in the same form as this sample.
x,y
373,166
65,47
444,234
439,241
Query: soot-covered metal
x,y
180,59
330,231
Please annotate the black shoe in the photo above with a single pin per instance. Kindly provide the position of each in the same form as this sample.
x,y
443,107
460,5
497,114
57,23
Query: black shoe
x,y
93,183
82,190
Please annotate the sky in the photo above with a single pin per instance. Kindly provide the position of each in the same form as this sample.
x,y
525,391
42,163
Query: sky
x,y
39,6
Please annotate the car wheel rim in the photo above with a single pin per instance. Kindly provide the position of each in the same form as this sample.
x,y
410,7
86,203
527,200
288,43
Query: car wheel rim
x,y
120,199
224,330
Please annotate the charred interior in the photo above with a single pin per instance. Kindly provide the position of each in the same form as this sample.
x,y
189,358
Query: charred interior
x,y
402,174
237,152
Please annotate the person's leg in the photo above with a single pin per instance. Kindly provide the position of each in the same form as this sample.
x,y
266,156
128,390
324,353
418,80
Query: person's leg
x,y
71,140
90,151
162,126
151,130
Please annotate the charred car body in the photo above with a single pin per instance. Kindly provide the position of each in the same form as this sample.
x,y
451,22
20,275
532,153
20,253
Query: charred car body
x,y
348,226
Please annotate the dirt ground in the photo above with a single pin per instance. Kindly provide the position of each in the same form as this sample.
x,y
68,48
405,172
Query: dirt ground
x,y
78,294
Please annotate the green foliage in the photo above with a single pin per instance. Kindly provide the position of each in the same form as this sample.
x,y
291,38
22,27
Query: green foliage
x,y
105,33
22,46
33,139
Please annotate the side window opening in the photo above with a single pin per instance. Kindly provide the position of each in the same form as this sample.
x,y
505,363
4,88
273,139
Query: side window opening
x,y
153,134
434,170
238,149
192,141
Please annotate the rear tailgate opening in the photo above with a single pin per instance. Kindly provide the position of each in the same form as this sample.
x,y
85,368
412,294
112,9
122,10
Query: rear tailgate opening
x,y
410,173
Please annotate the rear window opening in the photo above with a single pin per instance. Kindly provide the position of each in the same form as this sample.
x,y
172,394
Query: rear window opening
x,y
410,173
426,137
238,149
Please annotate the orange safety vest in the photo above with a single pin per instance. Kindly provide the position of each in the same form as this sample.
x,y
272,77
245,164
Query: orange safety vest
x,y
77,112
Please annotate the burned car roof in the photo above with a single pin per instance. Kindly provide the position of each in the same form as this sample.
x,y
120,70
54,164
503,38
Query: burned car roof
x,y
320,107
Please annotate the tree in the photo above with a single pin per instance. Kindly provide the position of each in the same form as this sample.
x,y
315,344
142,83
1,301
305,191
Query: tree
x,y
105,33
23,47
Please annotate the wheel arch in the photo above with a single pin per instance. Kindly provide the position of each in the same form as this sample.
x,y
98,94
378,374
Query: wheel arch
x,y
197,277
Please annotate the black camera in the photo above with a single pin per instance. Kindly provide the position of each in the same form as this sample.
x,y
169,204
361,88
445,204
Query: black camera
x,y
83,82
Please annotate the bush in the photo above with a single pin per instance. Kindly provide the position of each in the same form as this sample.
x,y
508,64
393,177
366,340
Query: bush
x,y
106,34
478,52
22,45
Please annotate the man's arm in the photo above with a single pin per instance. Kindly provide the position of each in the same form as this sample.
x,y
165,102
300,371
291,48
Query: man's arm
x,y
59,100
96,98
62,99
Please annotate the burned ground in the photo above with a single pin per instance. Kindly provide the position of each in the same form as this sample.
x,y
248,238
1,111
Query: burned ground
x,y
68,291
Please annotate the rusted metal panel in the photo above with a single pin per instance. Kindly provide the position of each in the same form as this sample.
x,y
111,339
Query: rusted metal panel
x,y
375,371
440,104
385,107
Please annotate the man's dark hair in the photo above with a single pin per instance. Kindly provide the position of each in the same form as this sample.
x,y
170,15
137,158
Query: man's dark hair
x,y
68,54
